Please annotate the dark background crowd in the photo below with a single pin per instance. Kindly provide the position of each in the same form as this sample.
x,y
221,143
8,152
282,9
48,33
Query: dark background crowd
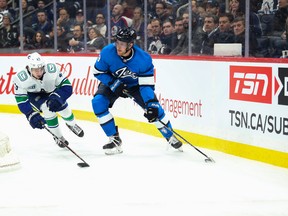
x,y
170,27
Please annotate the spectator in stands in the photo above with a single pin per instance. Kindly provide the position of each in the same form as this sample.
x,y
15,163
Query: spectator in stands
x,y
8,33
255,28
225,22
62,39
196,30
226,34
235,9
239,34
65,21
151,10
160,10
25,40
100,24
71,5
204,43
32,3
96,42
170,12
27,18
181,36
168,37
279,42
119,21
43,23
184,8
238,7
154,43
201,13
286,33
42,5
195,22
138,26
79,18
255,25
4,8
39,41
280,17
149,30
268,7
212,7
76,44
127,9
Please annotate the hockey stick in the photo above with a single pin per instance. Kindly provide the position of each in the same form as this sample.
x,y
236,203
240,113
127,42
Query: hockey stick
x,y
208,159
84,164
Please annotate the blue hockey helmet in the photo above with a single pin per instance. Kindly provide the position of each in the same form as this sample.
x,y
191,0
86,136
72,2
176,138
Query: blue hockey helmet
x,y
126,35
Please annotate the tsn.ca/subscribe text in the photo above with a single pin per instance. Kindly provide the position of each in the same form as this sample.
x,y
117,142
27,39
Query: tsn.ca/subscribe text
x,y
259,122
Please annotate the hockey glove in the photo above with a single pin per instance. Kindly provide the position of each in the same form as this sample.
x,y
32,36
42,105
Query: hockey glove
x,y
152,111
36,120
117,88
54,102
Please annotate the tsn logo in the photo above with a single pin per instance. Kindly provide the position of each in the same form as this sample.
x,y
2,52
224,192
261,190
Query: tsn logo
x,y
255,84
248,83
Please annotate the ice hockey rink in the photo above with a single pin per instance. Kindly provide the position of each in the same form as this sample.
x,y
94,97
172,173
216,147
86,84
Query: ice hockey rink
x,y
147,179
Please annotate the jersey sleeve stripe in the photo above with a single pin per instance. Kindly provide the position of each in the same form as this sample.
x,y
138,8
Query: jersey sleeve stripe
x,y
97,72
146,80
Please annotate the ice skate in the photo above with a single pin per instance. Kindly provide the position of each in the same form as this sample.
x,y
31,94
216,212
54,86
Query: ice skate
x,y
175,143
114,145
61,141
76,130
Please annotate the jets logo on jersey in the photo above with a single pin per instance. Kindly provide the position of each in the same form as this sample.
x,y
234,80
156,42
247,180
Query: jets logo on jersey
x,y
125,72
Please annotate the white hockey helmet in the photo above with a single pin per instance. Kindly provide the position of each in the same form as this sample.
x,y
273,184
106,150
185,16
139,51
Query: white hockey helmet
x,y
35,60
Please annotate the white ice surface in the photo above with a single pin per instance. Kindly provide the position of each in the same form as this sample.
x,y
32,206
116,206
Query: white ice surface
x,y
145,180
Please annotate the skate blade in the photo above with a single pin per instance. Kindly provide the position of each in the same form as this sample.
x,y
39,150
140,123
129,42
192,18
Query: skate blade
x,y
113,151
180,149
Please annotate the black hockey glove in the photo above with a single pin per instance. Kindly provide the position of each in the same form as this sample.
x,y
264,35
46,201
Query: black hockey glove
x,y
36,120
54,102
117,88
152,111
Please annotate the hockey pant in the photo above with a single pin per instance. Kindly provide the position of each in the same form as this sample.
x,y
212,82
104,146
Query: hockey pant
x,y
104,99
38,102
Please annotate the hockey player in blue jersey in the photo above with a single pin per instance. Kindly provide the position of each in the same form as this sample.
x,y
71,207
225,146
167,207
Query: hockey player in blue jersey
x,y
122,68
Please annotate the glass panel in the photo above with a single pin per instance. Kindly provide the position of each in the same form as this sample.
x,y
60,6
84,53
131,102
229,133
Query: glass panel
x,y
171,27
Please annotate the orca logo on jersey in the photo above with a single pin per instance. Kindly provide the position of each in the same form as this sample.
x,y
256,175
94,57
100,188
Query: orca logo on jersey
x,y
125,72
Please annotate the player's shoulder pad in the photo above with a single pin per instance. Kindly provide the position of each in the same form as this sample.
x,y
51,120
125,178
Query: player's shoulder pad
x,y
51,68
21,76
142,54
107,51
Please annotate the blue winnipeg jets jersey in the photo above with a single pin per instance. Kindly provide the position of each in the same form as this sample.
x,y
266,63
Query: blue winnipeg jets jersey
x,y
138,70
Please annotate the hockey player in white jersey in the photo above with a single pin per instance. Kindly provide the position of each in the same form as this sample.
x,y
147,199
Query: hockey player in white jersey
x,y
41,88
123,70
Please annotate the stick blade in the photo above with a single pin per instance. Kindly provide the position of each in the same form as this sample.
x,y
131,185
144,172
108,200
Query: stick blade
x,y
209,160
83,165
